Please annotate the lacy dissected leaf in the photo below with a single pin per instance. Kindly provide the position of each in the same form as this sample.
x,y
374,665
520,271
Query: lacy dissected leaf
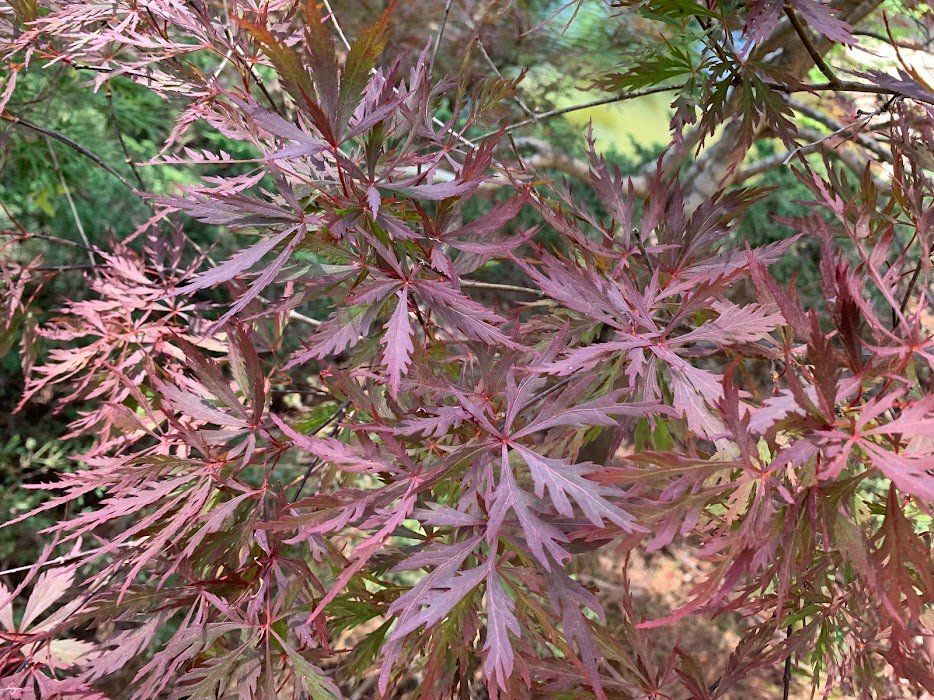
x,y
905,571
500,621
449,393
398,342
565,482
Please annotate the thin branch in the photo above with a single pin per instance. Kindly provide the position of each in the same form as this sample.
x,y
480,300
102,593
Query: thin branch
x,y
911,288
119,133
550,390
910,45
515,96
847,86
224,61
69,558
817,142
862,139
841,86
241,58
67,268
440,34
337,26
71,143
296,316
303,392
585,105
277,108
16,223
856,124
435,120
640,244
316,462
761,166
492,65
786,675
104,69
811,49
27,235
494,286
71,202
547,156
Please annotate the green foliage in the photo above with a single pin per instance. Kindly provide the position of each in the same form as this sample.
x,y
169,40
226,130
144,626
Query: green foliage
x,y
27,460
61,100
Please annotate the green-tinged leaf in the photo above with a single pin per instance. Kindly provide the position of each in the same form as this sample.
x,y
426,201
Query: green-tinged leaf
x,y
666,66
312,421
214,677
361,59
9,334
316,682
642,434
661,436
293,75
26,10
322,59
345,613
366,651
674,11
246,368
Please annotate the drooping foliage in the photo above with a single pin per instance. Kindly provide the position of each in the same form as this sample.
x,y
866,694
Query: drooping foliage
x,y
453,448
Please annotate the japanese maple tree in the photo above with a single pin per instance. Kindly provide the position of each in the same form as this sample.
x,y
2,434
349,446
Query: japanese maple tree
x,y
453,448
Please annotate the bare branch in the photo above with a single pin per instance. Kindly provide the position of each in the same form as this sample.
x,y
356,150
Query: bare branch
x,y
495,286
915,276
69,558
547,156
295,316
24,235
910,45
786,674
335,418
841,131
71,143
847,86
337,26
842,86
811,49
119,134
817,142
440,34
585,105
820,117
71,202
